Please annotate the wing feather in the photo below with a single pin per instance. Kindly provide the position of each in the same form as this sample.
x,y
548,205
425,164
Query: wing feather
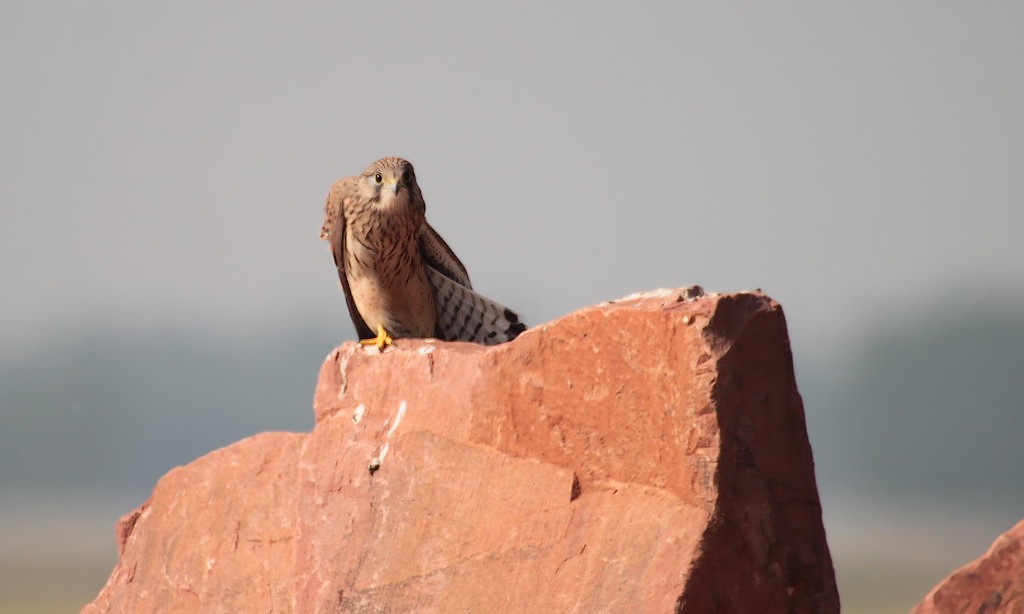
x,y
437,254
336,231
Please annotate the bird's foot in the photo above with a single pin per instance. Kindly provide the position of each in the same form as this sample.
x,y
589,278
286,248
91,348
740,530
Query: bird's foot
x,y
381,341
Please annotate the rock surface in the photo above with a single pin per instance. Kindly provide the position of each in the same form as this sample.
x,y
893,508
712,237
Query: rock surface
x,y
992,583
644,455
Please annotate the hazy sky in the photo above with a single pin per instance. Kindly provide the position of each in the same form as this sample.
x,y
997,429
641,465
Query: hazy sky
x,y
168,162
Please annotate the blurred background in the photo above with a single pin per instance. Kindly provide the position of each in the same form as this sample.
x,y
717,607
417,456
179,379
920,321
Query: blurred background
x,y
163,170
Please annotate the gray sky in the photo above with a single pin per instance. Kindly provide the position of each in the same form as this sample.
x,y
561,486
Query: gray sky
x,y
168,162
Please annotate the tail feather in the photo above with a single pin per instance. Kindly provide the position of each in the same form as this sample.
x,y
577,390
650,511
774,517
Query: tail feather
x,y
464,315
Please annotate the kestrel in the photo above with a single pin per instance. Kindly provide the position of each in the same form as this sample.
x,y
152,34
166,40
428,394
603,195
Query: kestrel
x,y
399,276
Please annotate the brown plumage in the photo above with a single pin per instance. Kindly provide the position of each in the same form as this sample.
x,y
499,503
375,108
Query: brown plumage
x,y
399,277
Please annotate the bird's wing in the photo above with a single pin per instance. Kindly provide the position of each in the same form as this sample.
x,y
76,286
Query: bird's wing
x,y
441,258
334,229
464,315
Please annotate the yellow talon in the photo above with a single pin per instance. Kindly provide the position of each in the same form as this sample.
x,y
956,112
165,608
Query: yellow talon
x,y
381,341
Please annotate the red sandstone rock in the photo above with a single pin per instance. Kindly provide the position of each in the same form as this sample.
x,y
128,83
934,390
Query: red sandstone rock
x,y
992,583
646,455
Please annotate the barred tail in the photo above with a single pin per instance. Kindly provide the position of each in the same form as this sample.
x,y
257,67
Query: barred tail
x,y
464,315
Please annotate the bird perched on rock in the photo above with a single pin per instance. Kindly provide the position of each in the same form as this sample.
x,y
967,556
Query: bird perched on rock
x,y
399,276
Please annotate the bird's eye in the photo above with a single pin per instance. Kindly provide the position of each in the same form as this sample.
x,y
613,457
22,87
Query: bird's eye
x,y
378,178
406,177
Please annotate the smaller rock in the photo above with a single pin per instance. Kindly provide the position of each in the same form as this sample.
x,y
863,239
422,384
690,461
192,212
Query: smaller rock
x,y
992,583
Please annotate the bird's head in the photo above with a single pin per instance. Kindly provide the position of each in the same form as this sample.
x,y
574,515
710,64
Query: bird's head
x,y
390,184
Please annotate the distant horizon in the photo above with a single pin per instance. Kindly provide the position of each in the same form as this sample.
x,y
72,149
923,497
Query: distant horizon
x,y
184,375
877,311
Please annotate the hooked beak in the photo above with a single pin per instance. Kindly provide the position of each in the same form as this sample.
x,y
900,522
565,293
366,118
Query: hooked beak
x,y
394,185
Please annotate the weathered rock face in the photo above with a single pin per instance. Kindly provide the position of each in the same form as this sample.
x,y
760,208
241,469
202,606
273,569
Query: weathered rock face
x,y
992,583
647,455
